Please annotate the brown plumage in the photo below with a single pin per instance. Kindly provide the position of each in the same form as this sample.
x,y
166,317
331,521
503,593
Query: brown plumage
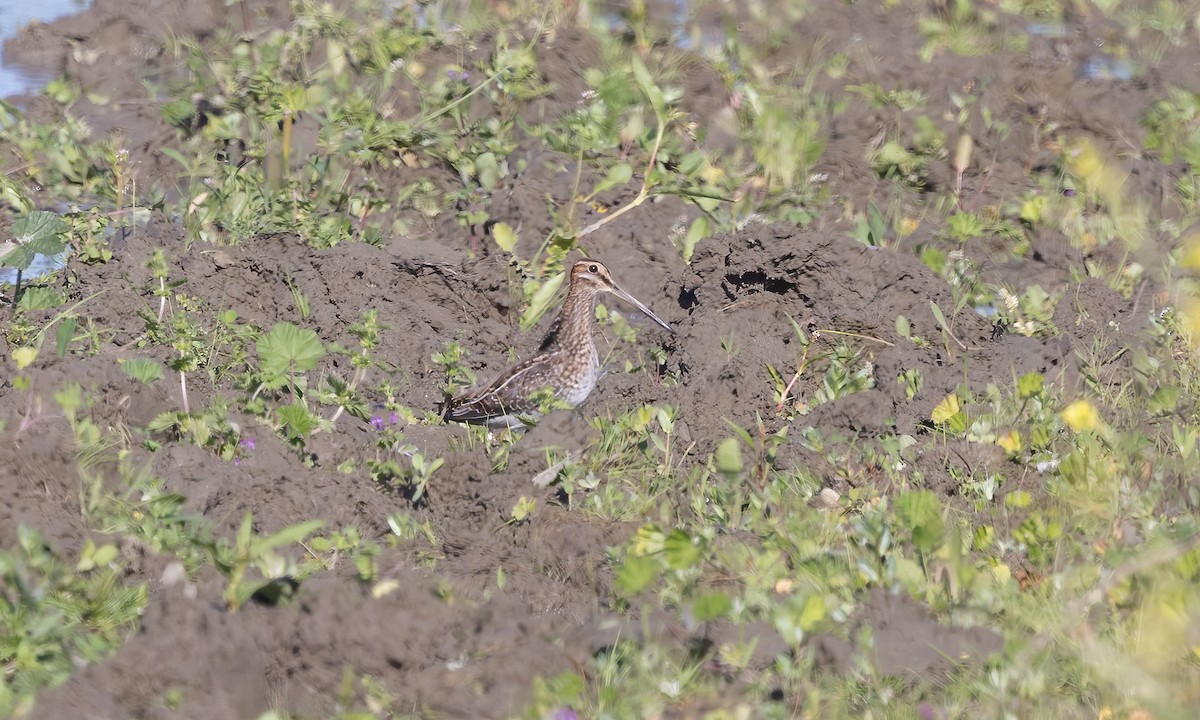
x,y
566,362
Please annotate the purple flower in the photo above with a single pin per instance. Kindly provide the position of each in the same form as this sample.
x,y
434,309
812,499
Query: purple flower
x,y
1069,192
925,710
377,422
465,76
452,74
566,712
394,419
247,443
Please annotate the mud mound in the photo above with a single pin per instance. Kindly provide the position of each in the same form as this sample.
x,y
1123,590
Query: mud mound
x,y
743,293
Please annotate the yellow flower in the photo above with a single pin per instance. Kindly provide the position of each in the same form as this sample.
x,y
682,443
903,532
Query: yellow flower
x,y
1081,415
1010,441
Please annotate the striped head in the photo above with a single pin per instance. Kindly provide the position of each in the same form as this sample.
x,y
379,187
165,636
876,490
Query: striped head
x,y
591,277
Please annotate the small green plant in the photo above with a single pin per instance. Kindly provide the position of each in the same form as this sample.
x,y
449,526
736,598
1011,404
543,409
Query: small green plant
x,y
522,511
964,226
143,370
458,375
950,414
210,428
88,235
277,575
284,353
1173,127
947,329
348,542
870,227
1030,314
967,29
911,380
845,375
302,305
55,615
386,470
181,330
910,161
38,233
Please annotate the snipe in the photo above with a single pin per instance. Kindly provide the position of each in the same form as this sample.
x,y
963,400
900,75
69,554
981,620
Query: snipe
x,y
566,364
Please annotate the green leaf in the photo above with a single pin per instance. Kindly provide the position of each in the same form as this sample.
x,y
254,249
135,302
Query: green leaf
x,y
692,163
617,175
636,574
921,512
175,154
64,334
105,554
487,171
87,557
288,535
297,419
1018,499
937,315
729,457
711,606
39,232
946,409
814,612
652,91
523,509
1164,400
245,533
40,298
24,356
365,565
165,421
1030,385
143,370
288,348
505,237
699,229
542,298
567,686
680,551
1032,209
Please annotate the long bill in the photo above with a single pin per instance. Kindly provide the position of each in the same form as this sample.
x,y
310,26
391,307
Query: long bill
x,y
637,304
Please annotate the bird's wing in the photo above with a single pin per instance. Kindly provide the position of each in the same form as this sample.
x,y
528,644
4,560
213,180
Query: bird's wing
x,y
512,393
550,339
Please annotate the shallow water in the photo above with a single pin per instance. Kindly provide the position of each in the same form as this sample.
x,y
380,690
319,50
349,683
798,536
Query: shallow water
x,y
16,14
18,79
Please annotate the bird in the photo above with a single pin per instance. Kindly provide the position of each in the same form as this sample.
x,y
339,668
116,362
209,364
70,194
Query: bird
x,y
565,367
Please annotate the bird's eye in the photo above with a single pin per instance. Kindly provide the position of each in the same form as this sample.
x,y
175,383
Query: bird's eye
x,y
593,268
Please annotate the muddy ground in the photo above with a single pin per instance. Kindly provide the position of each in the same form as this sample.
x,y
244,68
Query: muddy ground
x,y
554,611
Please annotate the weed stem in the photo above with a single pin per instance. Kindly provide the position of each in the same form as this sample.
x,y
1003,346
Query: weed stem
x,y
162,298
183,392
787,390
642,194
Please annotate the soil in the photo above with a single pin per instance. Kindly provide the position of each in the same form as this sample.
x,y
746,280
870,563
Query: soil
x,y
477,655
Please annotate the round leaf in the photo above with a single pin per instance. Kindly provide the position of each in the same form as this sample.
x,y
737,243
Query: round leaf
x,y
37,233
288,348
